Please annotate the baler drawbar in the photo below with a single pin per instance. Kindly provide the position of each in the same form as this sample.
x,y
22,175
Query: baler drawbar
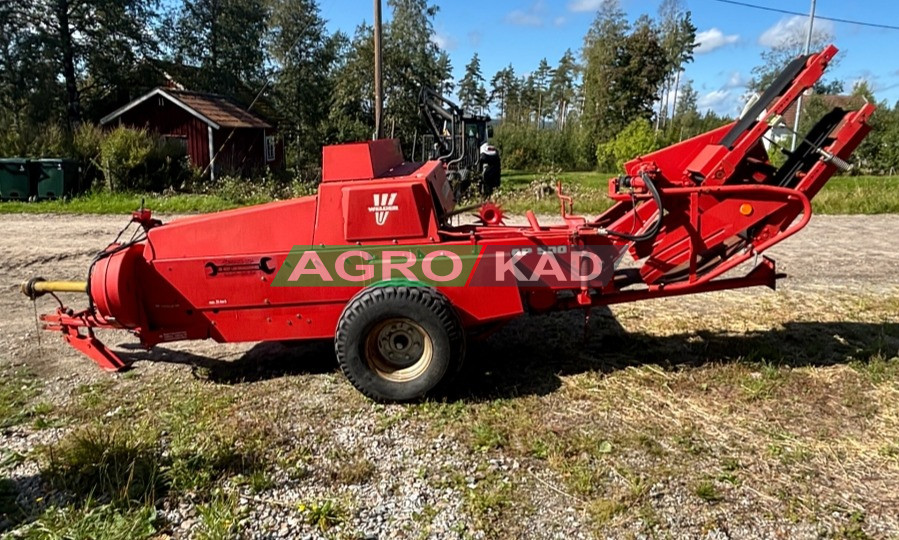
x,y
686,215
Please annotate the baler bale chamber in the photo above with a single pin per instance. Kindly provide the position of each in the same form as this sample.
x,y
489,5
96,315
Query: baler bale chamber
x,y
687,214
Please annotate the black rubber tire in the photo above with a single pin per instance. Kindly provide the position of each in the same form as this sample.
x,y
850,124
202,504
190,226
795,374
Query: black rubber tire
x,y
426,307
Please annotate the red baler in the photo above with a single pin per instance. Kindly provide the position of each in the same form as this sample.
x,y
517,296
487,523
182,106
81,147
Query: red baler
x,y
687,214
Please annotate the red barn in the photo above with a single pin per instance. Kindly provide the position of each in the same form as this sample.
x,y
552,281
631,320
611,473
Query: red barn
x,y
218,134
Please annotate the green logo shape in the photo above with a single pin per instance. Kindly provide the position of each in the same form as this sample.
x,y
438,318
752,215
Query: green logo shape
x,y
355,266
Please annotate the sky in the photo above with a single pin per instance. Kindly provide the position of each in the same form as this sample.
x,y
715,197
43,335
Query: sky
x,y
731,38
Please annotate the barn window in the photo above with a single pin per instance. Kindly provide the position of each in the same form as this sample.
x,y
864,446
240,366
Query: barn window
x,y
269,149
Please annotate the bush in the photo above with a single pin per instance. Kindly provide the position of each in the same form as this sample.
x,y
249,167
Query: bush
x,y
20,140
530,147
121,153
637,139
245,191
133,159
86,141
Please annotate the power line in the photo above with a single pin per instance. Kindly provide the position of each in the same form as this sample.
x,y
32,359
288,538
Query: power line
x,y
788,12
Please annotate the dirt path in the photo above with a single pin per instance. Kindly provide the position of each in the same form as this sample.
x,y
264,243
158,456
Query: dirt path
x,y
838,254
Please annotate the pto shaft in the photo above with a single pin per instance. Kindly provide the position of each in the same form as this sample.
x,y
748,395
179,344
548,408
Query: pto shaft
x,y
37,287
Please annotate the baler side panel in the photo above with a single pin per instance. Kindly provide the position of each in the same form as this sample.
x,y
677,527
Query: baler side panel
x,y
262,229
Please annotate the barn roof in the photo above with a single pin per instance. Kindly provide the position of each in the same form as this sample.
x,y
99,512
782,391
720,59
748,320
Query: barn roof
x,y
215,110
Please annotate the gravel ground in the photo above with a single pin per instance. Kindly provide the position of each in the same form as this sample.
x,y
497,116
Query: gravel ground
x,y
835,255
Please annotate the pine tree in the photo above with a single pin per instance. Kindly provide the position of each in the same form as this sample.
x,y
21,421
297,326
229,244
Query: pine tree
x,y
562,87
352,104
503,91
541,86
472,93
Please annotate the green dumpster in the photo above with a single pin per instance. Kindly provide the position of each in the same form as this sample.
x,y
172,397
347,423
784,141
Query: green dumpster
x,y
15,179
56,178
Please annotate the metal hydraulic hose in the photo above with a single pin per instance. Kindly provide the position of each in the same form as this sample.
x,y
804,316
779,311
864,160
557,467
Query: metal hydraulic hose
x,y
650,233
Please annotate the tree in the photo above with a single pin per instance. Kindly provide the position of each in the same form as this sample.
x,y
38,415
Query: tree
x,y
644,70
862,89
636,139
30,92
410,61
601,55
501,85
472,93
686,121
86,45
624,68
541,86
445,65
562,87
788,45
304,57
224,38
352,103
678,39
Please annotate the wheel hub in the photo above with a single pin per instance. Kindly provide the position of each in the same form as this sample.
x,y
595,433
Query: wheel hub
x,y
398,350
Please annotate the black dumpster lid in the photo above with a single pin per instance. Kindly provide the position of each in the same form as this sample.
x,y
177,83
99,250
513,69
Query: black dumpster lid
x,y
15,160
55,160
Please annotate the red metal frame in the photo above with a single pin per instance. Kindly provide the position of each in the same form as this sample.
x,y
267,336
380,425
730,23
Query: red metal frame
x,y
211,276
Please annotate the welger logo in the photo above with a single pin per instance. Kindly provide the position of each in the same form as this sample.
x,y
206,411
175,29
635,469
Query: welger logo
x,y
383,207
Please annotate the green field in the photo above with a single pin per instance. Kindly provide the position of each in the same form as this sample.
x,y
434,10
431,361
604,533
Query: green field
x,y
520,191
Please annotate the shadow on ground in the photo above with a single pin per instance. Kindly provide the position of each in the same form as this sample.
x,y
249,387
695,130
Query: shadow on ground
x,y
264,361
528,356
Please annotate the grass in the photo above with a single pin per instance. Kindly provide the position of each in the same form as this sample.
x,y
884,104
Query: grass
x,y
123,203
520,191
17,389
162,442
97,522
322,515
122,467
219,517
770,409
767,398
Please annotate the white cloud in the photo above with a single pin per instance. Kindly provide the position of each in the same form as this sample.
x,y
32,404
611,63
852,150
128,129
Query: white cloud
x,y
581,6
723,102
560,21
791,32
474,38
523,18
736,80
712,39
444,41
533,16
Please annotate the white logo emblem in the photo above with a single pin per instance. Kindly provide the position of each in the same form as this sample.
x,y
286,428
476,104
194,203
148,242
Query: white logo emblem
x,y
383,207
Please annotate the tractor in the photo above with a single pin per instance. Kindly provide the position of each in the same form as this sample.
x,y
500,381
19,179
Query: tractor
x,y
375,262
462,142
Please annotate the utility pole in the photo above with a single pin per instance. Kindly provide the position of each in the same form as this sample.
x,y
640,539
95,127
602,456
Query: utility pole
x,y
808,45
379,89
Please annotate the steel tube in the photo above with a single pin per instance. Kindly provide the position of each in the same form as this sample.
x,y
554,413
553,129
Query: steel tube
x,y
36,287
